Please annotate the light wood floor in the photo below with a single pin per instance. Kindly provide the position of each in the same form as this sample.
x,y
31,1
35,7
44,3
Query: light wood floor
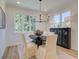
x,y
33,57
11,52
68,51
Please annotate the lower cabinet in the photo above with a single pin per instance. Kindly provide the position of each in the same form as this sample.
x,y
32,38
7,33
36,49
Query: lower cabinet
x,y
64,36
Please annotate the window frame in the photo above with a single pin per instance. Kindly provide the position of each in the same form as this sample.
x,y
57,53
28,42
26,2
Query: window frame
x,y
23,23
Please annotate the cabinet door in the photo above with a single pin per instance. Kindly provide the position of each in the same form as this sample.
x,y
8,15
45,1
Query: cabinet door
x,y
59,41
65,37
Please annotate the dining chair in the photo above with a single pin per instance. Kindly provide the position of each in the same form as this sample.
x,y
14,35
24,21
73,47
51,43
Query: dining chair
x,y
30,49
49,50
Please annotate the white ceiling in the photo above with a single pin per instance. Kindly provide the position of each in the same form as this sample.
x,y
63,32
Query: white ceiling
x,y
46,4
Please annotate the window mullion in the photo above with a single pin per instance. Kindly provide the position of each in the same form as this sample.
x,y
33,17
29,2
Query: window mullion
x,y
21,22
29,23
23,25
60,19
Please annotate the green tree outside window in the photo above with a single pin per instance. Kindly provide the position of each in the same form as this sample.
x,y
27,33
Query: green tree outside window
x,y
25,23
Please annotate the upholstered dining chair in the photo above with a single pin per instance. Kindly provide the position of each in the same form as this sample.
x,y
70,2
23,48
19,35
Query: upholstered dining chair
x,y
30,49
49,50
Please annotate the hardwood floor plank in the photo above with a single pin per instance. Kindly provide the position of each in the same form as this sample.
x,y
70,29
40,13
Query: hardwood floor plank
x,y
11,52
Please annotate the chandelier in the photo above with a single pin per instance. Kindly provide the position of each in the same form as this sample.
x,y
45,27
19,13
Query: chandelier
x,y
40,16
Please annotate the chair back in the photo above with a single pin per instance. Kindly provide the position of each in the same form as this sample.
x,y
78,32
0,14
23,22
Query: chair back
x,y
24,42
51,47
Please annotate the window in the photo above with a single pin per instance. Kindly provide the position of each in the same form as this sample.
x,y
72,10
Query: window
x,y
25,23
59,19
65,14
56,20
32,23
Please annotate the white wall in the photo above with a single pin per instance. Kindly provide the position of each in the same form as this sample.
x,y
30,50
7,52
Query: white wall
x,y
11,36
2,32
74,26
